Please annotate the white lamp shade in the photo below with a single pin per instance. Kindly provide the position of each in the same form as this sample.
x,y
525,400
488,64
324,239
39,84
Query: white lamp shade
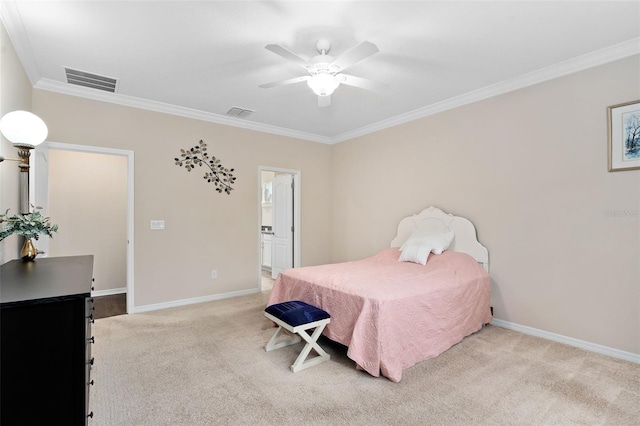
x,y
323,84
23,128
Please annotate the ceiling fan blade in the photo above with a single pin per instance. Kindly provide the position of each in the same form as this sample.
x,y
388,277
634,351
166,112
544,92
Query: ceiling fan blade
x,y
285,82
363,83
358,53
324,101
287,54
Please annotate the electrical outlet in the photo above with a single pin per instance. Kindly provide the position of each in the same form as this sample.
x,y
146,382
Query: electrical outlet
x,y
214,274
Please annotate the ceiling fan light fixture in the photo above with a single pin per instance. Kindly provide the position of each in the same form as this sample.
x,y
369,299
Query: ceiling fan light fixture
x,y
323,84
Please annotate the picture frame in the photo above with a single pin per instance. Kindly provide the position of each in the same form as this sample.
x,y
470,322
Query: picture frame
x,y
623,123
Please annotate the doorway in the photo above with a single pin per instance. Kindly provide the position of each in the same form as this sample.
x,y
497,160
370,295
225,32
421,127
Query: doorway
x,y
93,188
279,215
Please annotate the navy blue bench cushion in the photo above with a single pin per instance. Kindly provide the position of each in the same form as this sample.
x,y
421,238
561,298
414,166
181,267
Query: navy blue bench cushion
x,y
296,312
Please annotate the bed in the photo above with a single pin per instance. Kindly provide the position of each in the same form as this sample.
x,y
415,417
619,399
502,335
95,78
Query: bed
x,y
392,314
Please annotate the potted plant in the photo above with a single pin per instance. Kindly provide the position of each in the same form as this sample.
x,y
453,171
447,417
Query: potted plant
x,y
30,226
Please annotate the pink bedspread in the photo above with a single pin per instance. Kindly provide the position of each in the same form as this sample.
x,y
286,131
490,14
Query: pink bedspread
x,y
393,314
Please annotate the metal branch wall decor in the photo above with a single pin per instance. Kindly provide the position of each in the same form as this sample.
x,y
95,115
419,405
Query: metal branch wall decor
x,y
221,177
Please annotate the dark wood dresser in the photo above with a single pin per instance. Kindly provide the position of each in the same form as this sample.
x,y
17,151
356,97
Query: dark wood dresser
x,y
45,341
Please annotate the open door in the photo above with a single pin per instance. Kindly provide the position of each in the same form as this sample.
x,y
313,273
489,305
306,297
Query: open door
x,y
282,243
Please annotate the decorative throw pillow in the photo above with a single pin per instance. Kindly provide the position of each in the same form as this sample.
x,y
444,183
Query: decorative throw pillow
x,y
417,248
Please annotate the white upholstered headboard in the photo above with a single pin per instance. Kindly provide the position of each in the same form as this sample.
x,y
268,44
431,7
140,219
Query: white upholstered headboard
x,y
435,220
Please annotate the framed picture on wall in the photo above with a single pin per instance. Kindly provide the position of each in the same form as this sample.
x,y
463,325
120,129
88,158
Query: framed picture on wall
x,y
624,136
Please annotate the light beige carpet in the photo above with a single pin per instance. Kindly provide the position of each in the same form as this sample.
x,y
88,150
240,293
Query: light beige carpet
x,y
205,364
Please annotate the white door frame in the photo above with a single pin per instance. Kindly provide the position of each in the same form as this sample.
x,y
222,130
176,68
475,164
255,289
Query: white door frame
x,y
41,191
296,215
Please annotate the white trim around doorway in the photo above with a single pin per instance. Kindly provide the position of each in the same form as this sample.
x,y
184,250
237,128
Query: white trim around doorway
x,y
40,190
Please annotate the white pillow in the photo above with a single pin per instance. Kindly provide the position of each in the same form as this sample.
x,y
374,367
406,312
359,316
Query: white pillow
x,y
417,248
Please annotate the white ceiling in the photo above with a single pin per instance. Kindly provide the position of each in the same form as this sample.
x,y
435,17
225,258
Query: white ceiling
x,y
199,59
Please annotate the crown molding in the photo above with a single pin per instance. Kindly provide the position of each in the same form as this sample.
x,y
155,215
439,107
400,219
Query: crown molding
x,y
580,63
115,98
15,30
11,18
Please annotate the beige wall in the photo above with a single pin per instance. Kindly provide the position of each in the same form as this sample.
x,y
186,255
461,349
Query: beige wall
x,y
15,94
529,168
204,229
88,193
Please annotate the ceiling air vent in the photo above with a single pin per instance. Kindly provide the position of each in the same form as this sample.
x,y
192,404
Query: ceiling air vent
x,y
239,112
93,81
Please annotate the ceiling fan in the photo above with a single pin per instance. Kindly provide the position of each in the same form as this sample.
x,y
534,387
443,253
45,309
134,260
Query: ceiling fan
x,y
325,71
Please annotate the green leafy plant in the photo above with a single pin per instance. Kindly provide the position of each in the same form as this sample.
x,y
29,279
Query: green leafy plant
x,y
220,176
29,225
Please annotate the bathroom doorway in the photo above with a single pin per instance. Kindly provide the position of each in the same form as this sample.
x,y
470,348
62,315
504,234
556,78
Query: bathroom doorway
x,y
279,207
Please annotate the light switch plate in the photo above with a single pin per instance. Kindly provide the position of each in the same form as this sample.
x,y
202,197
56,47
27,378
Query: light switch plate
x,y
157,224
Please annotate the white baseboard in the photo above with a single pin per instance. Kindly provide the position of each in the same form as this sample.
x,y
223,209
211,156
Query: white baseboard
x,y
593,347
109,292
183,302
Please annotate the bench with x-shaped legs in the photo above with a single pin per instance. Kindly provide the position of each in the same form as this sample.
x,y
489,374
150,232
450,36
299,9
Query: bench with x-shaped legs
x,y
297,317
